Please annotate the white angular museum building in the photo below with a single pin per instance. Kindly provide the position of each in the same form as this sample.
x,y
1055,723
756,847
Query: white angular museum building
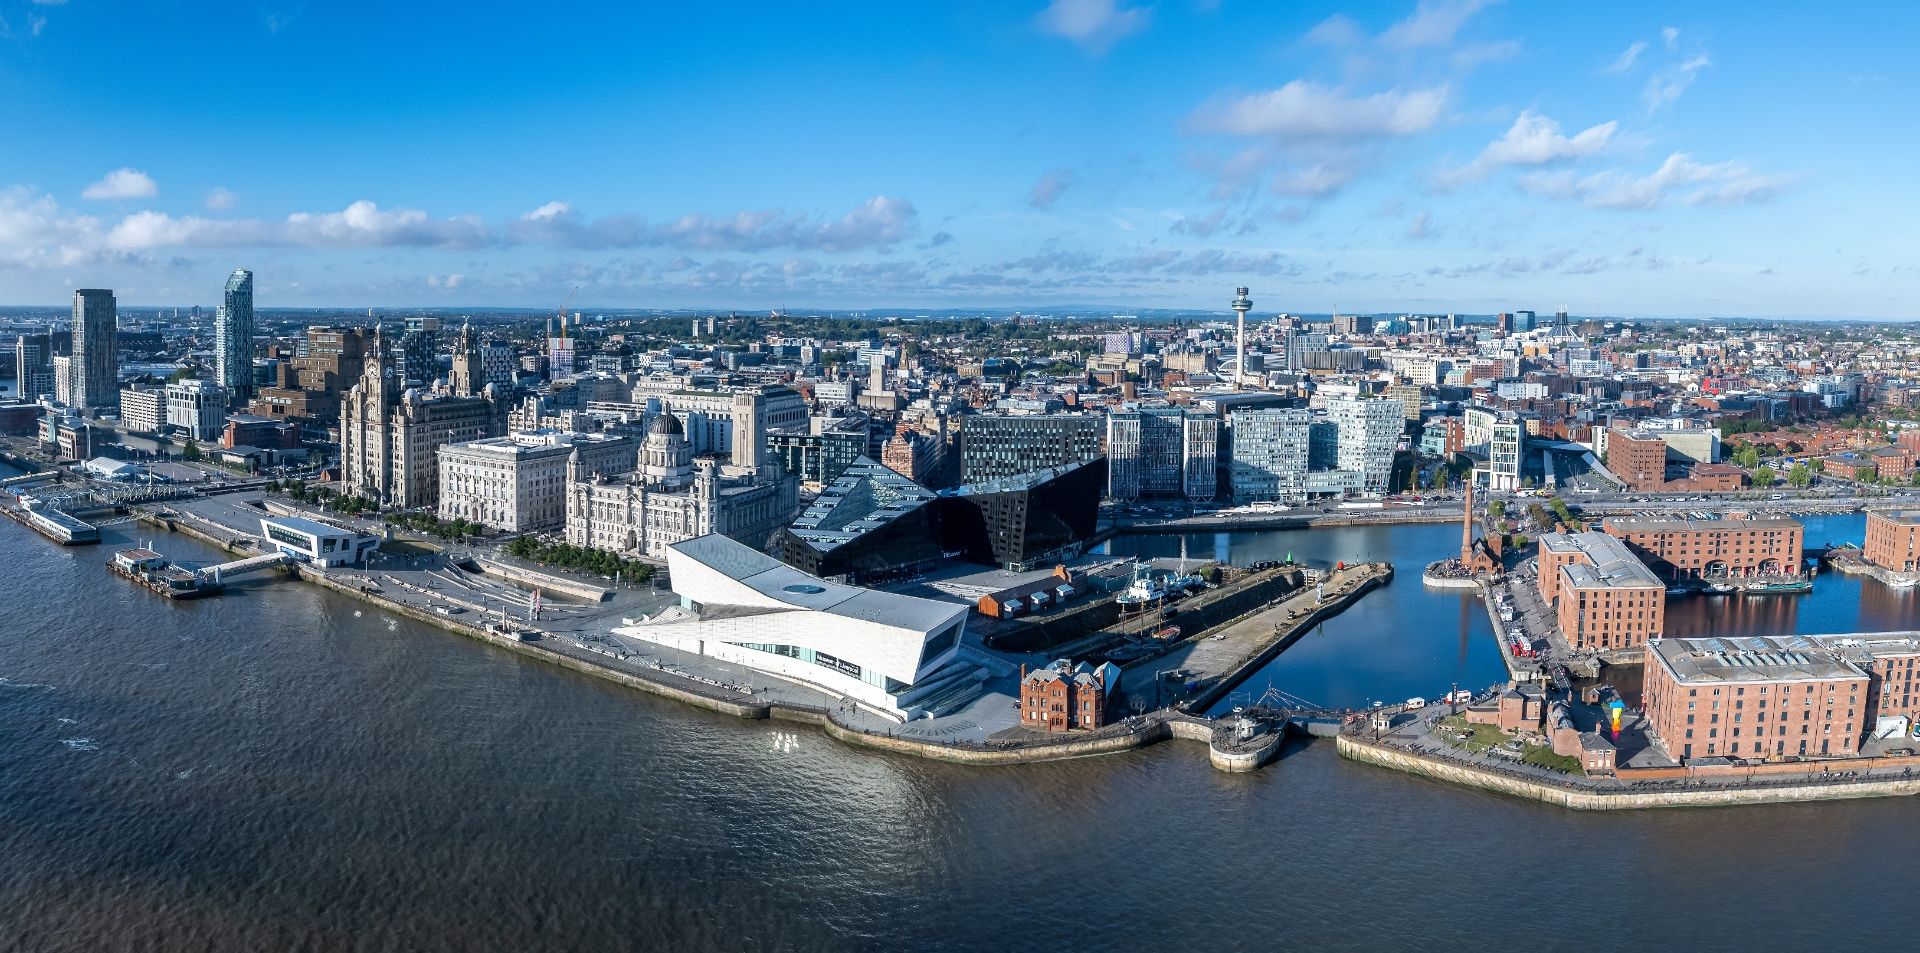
x,y
892,654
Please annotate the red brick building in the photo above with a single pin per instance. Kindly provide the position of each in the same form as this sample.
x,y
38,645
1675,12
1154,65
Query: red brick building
x,y
1694,549
1603,597
1893,541
1637,457
1759,698
1065,696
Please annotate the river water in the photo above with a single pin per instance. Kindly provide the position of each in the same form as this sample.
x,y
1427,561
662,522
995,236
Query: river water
x,y
280,768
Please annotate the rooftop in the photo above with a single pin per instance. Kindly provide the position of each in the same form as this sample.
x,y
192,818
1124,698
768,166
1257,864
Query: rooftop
x,y
1019,481
304,525
1665,524
1609,564
1905,516
780,582
1792,658
866,497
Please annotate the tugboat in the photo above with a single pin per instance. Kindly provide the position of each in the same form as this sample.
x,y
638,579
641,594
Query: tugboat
x,y
152,570
1142,591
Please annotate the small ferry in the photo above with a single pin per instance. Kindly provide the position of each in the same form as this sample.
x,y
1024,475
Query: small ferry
x,y
152,570
1785,587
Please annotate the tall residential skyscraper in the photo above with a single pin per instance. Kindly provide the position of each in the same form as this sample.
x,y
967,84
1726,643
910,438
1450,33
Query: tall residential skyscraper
x,y
1370,431
33,365
93,378
233,337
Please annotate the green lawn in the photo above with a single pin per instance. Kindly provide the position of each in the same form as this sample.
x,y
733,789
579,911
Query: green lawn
x,y
1490,736
402,547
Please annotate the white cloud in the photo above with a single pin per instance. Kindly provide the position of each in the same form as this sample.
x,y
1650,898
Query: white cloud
x,y
1626,59
445,281
1336,30
1672,37
1667,85
1479,54
1304,110
1433,23
1094,24
1532,140
35,232
879,222
365,223
1535,139
49,3
1050,187
1422,227
548,212
220,197
1679,177
125,183
1321,178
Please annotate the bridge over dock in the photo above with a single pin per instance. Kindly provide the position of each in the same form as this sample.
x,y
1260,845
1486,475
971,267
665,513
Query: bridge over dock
x,y
240,567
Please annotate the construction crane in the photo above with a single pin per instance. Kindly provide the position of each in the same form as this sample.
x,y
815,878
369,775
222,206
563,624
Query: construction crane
x,y
562,315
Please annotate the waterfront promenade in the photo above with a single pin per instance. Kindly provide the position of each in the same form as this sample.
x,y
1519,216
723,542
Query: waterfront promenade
x,y
576,634
1413,746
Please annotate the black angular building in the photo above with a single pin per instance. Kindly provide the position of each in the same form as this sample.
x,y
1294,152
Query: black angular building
x,y
872,525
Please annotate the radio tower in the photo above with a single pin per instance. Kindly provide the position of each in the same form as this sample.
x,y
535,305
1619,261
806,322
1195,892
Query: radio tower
x,y
1241,305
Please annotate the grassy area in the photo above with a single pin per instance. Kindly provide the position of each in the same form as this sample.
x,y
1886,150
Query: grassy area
x,y
401,547
1484,737
1544,757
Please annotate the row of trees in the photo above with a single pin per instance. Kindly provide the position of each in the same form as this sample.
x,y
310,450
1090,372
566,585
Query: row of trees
x,y
326,499
581,558
457,529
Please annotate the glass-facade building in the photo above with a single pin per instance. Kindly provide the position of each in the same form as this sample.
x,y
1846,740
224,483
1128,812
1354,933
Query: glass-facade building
x,y
233,337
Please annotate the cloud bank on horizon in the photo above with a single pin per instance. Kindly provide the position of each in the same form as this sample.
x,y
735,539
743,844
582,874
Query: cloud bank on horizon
x,y
1461,155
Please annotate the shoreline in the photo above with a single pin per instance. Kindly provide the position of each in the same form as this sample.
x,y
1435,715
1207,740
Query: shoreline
x,y
1577,798
1126,735
1151,728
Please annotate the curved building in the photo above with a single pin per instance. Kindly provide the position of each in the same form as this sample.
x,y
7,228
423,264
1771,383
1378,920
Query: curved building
x,y
887,652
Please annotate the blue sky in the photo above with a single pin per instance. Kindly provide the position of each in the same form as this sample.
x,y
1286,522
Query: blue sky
x,y
1628,158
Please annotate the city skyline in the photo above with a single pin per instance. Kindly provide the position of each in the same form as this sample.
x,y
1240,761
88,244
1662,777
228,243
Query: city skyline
x,y
1430,156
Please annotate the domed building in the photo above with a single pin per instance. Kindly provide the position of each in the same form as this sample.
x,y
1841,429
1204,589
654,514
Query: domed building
x,y
673,497
666,459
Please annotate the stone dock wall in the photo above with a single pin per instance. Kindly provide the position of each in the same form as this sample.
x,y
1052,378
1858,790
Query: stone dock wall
x,y
1379,575
1151,729
1578,799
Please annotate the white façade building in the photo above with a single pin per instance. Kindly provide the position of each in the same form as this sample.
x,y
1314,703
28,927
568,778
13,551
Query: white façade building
x,y
519,482
311,541
885,651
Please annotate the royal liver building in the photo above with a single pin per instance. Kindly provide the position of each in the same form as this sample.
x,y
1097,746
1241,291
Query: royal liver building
x,y
390,437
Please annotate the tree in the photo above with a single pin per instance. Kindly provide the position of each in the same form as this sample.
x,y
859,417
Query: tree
x,y
1863,474
190,452
1497,509
1763,476
1747,458
183,374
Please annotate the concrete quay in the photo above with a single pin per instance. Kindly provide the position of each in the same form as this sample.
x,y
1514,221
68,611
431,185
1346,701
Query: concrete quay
x,y
1854,563
1223,657
1634,790
762,698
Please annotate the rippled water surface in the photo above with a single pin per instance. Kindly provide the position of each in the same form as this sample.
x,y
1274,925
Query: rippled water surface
x,y
284,769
